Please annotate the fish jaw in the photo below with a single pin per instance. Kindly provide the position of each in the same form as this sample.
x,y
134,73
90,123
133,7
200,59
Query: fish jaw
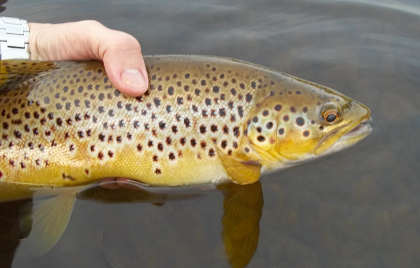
x,y
355,135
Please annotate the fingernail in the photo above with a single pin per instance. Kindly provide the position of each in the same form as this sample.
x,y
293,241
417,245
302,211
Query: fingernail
x,y
134,79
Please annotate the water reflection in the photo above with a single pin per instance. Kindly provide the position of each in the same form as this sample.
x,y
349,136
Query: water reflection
x,y
242,210
11,231
241,220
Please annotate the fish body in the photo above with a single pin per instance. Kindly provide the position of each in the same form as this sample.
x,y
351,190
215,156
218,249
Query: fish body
x,y
203,120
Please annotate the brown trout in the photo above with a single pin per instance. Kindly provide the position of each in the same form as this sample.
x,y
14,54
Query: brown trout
x,y
203,120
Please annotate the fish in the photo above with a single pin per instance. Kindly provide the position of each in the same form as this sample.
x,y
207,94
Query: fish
x,y
203,120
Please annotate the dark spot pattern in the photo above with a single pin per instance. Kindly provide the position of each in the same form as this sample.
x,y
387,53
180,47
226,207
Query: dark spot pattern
x,y
202,111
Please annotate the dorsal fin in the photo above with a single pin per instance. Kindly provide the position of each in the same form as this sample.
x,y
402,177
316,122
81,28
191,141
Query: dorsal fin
x,y
15,71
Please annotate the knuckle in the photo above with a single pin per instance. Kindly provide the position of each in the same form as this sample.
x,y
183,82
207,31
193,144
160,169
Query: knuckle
x,y
91,23
128,40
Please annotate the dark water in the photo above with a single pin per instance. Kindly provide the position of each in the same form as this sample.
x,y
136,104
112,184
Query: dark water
x,y
357,208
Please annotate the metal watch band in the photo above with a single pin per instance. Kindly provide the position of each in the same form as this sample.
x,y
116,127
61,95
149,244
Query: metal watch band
x,y
14,38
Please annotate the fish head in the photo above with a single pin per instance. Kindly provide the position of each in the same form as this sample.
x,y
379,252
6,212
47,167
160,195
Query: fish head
x,y
302,120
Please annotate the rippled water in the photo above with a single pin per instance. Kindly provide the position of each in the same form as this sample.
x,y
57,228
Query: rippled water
x,y
357,208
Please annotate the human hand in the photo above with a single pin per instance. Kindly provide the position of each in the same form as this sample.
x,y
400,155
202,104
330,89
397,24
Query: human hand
x,y
85,40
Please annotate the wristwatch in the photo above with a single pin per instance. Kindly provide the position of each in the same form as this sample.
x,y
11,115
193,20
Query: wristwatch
x,y
14,38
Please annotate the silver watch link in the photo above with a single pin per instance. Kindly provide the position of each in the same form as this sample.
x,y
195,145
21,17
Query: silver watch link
x,y
14,38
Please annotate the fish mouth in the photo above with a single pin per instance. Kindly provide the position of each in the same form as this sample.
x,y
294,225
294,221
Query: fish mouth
x,y
363,128
352,136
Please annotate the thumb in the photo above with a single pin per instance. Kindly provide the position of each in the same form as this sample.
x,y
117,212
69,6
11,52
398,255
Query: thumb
x,y
124,64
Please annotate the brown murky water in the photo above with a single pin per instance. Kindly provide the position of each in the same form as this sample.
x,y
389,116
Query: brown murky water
x,y
357,208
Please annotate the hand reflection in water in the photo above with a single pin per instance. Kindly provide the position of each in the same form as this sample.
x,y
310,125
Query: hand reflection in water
x,y
240,222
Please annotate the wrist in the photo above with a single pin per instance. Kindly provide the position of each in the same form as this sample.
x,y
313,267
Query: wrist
x,y
34,46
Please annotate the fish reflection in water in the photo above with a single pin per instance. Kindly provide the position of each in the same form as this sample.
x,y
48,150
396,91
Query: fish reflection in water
x,y
20,230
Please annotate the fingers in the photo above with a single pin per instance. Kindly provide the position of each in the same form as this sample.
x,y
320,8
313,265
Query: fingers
x,y
124,64
86,40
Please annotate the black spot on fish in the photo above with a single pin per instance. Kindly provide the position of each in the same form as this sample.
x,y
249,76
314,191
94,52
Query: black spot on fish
x,y
236,131
261,138
161,125
193,142
300,121
156,101
240,111
202,129
174,129
225,129
248,97
170,90
203,144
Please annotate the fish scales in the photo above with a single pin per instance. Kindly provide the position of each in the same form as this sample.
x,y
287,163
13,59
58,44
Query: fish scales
x,y
203,119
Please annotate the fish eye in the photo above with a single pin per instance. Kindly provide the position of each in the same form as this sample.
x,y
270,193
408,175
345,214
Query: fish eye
x,y
330,114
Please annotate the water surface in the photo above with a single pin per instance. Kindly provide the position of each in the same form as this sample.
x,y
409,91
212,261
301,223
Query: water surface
x,y
356,208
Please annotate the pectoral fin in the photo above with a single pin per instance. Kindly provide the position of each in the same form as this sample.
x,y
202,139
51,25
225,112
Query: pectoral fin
x,y
241,171
50,217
